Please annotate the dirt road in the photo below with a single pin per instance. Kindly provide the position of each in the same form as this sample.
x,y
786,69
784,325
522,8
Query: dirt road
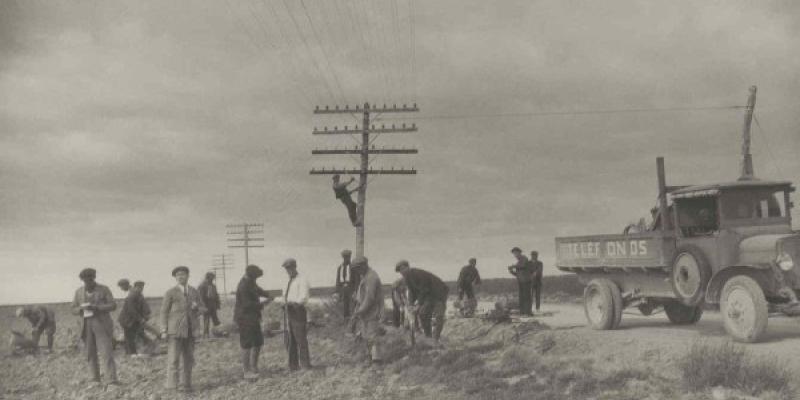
x,y
655,336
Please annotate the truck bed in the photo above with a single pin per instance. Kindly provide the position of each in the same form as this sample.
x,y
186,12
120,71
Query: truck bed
x,y
648,251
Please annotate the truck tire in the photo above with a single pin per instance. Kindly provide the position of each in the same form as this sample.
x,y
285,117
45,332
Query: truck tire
x,y
744,309
680,314
602,304
690,275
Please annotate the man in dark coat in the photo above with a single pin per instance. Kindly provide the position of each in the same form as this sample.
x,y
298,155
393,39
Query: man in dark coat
x,y
210,296
468,277
343,195
522,271
346,282
537,267
247,315
133,316
429,293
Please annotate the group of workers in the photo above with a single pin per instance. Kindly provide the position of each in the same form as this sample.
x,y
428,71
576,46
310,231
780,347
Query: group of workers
x,y
359,288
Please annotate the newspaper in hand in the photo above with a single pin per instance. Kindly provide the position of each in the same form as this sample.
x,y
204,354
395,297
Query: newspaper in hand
x,y
86,311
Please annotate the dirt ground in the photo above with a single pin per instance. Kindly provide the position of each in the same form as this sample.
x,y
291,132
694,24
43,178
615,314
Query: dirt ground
x,y
552,357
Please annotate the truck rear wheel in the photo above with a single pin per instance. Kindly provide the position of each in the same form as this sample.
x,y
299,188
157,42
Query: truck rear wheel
x,y
602,304
744,309
690,275
680,314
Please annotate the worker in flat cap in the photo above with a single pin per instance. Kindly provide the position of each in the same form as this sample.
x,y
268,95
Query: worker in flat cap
x,y
346,283
428,294
295,317
180,323
536,271
343,195
208,291
134,314
250,300
43,320
523,272
468,278
94,302
369,312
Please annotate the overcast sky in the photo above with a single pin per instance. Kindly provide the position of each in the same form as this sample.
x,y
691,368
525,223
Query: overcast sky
x,y
132,132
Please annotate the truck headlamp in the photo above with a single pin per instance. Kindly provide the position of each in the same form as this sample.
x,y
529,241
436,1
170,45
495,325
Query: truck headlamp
x,y
784,261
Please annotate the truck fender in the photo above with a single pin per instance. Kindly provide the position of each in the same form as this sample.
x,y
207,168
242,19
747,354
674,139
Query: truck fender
x,y
717,282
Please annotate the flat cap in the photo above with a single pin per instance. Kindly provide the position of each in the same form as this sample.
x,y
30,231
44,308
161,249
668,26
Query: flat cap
x,y
360,261
138,283
87,273
534,253
179,269
400,264
123,282
253,271
516,250
289,263
346,252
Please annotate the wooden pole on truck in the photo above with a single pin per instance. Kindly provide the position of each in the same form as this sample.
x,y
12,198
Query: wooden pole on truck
x,y
747,158
662,193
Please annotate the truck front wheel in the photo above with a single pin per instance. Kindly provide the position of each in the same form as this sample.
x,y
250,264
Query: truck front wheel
x,y
680,314
602,304
744,309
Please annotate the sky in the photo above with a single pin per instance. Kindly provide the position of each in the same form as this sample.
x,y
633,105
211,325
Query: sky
x,y
132,132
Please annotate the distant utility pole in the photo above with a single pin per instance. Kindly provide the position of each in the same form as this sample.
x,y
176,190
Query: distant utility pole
x,y
364,150
245,233
222,262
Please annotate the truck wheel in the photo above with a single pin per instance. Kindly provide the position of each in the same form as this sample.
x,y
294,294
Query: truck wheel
x,y
680,314
690,275
744,309
602,304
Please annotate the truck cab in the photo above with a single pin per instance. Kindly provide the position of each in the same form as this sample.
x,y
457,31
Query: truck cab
x,y
736,227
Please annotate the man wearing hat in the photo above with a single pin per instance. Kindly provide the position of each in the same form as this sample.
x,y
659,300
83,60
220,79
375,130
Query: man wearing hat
x,y
428,292
536,267
295,317
522,271
43,320
247,315
180,322
343,195
346,282
94,302
208,291
468,277
133,315
370,308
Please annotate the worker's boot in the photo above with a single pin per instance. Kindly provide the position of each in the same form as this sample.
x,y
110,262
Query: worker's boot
x,y
254,353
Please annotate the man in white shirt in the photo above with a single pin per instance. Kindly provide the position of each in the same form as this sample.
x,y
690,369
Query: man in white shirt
x,y
295,317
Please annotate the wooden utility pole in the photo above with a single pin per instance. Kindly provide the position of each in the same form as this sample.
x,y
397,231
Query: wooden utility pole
x,y
747,158
245,233
222,262
364,151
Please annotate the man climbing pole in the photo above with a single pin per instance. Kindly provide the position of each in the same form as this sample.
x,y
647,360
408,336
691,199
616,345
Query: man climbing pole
x,y
340,189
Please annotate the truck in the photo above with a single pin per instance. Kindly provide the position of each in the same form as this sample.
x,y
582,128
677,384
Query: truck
x,y
729,244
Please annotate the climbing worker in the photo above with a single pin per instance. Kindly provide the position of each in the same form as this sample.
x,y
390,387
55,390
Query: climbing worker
x,y
342,194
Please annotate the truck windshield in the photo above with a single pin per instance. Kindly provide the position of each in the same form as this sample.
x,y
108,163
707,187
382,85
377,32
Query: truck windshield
x,y
754,204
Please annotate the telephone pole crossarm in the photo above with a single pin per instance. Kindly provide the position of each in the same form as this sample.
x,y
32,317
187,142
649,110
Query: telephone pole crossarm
x,y
360,109
346,171
369,151
383,129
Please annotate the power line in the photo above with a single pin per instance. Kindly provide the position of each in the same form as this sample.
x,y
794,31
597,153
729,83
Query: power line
x,y
322,49
576,112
